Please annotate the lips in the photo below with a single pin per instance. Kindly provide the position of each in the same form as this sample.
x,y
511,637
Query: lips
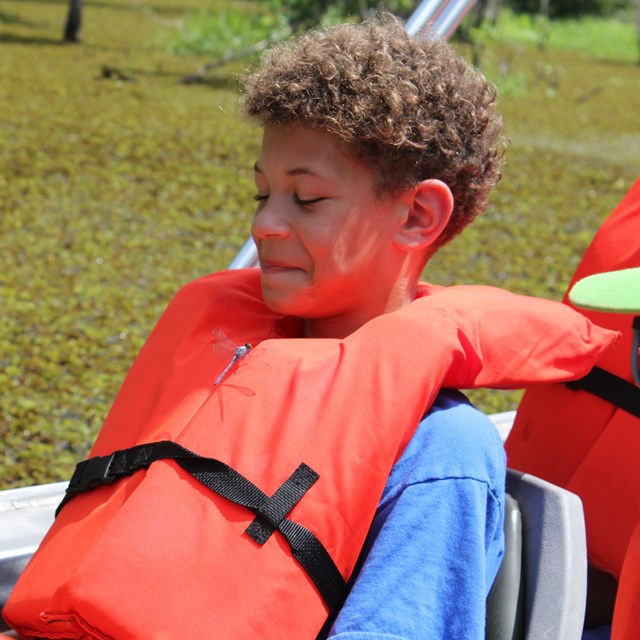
x,y
277,266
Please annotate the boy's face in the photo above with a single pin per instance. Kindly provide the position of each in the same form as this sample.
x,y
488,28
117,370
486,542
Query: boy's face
x,y
325,242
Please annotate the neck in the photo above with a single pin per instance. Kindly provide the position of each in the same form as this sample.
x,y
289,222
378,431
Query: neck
x,y
344,325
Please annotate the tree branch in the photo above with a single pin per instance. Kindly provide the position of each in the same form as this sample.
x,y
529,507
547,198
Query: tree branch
x,y
234,56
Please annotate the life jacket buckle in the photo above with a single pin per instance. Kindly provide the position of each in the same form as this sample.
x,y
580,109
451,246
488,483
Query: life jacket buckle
x,y
92,473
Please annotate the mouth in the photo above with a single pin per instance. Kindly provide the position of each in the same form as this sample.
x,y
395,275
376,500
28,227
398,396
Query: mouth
x,y
275,266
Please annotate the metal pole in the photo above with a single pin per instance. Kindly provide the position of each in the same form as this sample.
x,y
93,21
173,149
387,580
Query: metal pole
x,y
246,257
447,21
426,12
444,16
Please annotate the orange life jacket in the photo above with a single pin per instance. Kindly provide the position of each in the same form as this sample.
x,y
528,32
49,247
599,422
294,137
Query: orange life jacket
x,y
585,443
157,555
626,623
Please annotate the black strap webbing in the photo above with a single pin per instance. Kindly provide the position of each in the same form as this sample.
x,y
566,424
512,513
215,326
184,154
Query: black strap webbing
x,y
271,512
610,387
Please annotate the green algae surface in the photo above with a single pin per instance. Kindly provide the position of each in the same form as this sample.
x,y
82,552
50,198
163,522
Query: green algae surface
x,y
118,184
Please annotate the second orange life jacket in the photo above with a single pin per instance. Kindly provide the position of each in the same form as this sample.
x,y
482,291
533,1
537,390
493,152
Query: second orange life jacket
x,y
589,444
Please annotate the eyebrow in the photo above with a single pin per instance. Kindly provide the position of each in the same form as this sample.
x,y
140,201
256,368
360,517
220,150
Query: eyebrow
x,y
298,171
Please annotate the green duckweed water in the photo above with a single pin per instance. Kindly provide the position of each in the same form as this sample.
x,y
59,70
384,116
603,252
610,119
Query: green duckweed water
x,y
116,187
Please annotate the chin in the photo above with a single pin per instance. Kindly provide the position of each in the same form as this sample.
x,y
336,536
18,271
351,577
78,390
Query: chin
x,y
289,305
277,302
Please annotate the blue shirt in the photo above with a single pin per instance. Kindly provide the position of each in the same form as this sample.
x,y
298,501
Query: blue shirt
x,y
437,539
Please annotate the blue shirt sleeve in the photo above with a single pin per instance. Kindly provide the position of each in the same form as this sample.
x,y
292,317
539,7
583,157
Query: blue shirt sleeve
x,y
437,539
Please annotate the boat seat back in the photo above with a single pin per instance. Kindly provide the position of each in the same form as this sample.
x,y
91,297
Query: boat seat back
x,y
505,601
540,591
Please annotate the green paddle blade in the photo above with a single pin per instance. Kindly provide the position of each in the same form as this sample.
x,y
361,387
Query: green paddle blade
x,y
613,292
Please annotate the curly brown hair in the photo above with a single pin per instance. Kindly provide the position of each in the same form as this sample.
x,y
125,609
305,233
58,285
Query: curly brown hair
x,y
409,107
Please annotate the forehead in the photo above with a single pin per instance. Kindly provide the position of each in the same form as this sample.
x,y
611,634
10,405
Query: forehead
x,y
302,150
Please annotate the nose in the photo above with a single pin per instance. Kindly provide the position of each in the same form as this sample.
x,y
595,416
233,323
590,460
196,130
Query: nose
x,y
270,222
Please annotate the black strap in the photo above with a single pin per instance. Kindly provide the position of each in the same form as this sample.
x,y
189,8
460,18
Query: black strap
x,y
610,387
271,512
635,350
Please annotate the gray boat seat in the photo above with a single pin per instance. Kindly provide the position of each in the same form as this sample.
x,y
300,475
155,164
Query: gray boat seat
x,y
540,591
505,601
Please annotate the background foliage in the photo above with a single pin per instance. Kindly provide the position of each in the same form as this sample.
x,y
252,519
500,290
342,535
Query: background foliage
x,y
564,8
613,38
118,184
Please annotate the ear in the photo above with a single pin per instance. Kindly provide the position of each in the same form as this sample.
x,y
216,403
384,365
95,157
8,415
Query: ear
x,y
429,207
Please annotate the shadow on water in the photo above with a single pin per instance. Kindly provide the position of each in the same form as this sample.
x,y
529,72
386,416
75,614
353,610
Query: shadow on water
x,y
47,42
220,82
152,73
10,38
618,63
227,82
14,19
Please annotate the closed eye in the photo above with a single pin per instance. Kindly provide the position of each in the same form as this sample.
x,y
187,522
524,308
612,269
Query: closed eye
x,y
307,203
298,201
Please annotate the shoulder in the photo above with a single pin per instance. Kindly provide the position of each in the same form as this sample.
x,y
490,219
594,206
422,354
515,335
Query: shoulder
x,y
454,441
438,530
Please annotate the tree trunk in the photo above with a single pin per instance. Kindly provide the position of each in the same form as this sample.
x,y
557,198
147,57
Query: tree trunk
x,y
544,24
74,21
493,13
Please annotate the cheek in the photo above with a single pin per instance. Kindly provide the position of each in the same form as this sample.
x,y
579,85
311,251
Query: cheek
x,y
332,258
342,240
252,231
356,247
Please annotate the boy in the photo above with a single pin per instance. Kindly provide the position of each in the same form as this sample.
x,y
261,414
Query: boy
x,y
377,149
359,159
